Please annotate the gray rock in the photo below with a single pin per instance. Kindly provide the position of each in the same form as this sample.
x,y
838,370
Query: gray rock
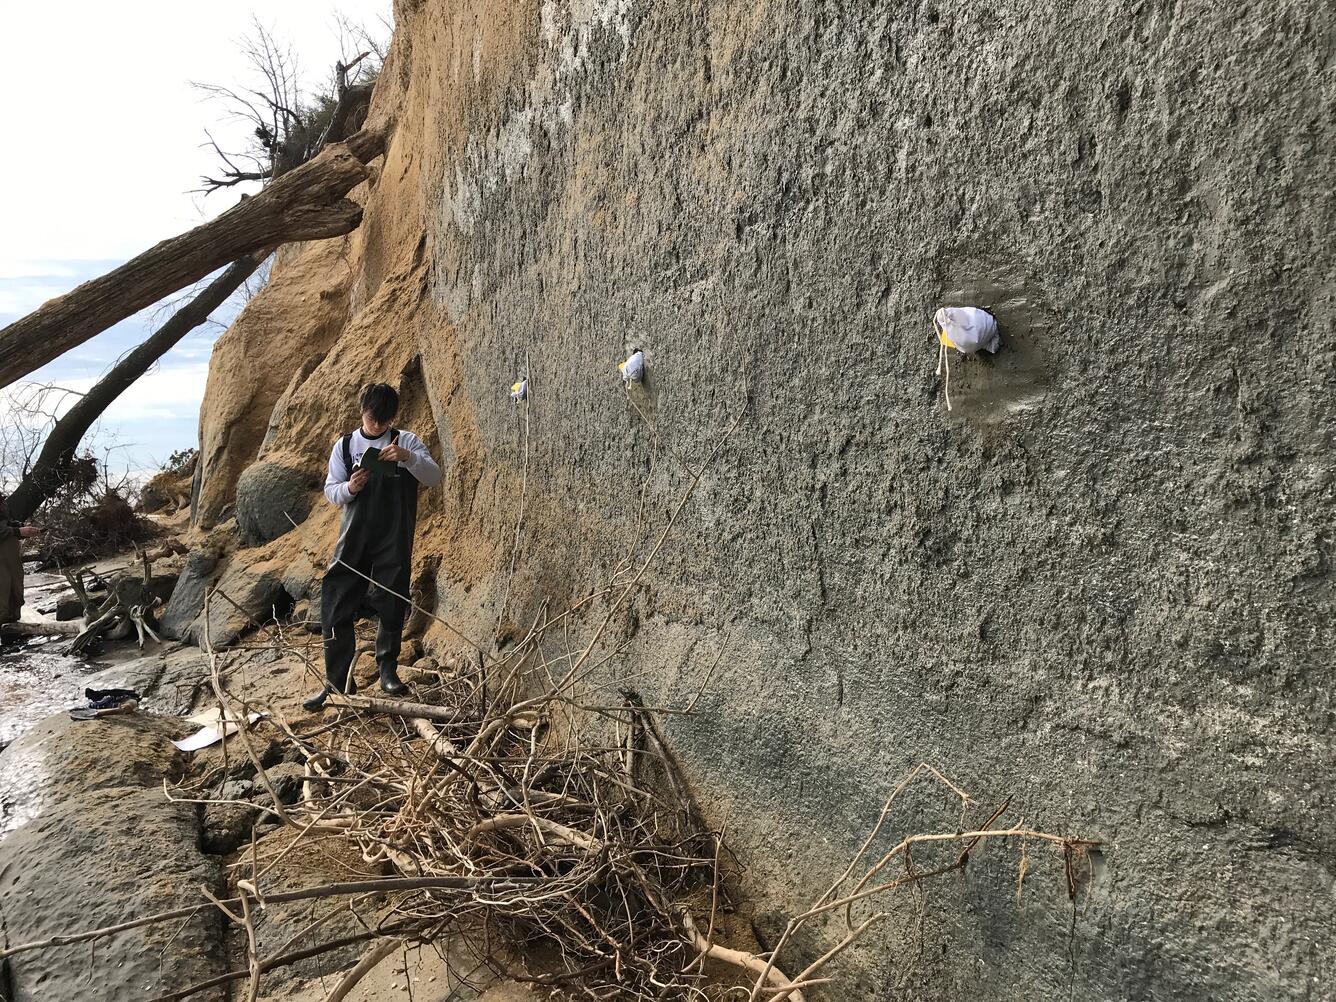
x,y
152,498
261,830
169,683
227,827
300,577
162,587
68,609
143,675
312,620
91,841
240,767
268,494
237,789
221,764
185,678
273,752
287,779
187,599
257,597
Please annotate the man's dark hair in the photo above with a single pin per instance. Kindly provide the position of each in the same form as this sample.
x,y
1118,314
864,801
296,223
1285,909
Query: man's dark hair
x,y
381,399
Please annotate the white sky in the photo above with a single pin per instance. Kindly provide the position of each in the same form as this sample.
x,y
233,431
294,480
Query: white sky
x,y
105,141
111,129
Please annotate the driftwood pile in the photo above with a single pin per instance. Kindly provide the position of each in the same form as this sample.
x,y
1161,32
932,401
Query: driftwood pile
x,y
125,601
537,815
113,607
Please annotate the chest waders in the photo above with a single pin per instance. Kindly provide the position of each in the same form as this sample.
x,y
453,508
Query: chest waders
x,y
375,540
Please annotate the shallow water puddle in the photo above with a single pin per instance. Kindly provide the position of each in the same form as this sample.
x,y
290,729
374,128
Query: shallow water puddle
x,y
36,678
37,681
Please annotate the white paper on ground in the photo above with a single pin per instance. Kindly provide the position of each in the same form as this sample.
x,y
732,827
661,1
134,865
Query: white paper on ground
x,y
211,716
211,733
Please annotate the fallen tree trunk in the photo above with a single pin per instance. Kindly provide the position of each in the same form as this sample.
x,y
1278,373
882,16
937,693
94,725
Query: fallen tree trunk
x,y
44,629
306,204
45,477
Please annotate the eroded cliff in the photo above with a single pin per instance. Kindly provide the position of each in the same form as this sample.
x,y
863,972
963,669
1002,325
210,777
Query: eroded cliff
x,y
1101,585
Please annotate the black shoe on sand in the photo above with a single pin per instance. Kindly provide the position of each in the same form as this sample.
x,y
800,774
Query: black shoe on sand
x,y
390,683
317,702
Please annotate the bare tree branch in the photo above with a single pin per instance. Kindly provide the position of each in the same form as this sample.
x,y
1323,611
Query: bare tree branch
x,y
287,123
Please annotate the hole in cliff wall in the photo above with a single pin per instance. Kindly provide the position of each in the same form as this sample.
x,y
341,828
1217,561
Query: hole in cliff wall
x,y
281,607
1122,101
996,387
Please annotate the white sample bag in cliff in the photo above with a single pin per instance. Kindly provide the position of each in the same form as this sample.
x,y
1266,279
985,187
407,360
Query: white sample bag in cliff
x,y
633,369
967,329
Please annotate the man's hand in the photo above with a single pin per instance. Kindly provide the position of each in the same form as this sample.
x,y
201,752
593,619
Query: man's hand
x,y
28,531
394,454
358,480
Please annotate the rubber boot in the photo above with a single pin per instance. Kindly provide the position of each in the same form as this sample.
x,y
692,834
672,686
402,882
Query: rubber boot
x,y
317,702
387,654
390,683
340,646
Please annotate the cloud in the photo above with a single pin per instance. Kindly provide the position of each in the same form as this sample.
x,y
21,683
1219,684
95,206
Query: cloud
x,y
171,393
26,284
193,349
17,302
24,268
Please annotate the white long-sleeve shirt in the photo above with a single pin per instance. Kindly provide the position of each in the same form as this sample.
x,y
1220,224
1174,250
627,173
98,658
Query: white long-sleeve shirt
x,y
419,463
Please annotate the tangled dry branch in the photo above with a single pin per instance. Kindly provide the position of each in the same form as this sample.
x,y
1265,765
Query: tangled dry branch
x,y
510,818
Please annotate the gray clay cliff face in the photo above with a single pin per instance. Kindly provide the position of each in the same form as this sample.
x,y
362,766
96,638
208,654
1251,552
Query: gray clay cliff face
x,y
1101,585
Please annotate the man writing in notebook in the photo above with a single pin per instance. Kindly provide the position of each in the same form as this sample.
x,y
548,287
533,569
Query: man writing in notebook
x,y
375,473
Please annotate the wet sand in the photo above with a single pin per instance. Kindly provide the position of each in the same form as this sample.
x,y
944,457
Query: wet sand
x,y
37,678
